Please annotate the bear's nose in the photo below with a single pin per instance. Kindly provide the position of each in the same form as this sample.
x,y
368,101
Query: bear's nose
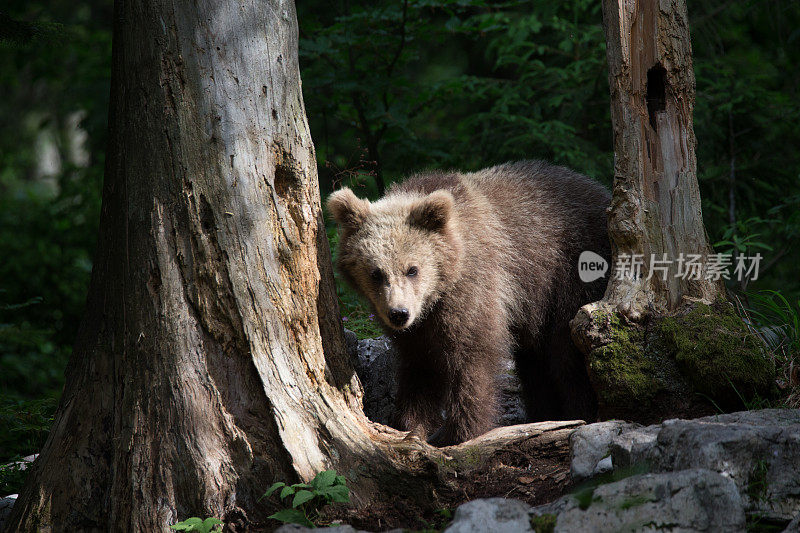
x,y
398,316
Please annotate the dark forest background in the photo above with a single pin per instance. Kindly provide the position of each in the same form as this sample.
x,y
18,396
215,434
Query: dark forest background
x,y
391,87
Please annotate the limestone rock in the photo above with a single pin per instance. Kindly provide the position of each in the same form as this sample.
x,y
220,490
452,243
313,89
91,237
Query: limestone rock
x,y
590,445
689,500
499,515
758,450
5,509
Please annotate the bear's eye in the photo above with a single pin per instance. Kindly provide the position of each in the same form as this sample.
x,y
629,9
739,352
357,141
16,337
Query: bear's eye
x,y
376,275
413,271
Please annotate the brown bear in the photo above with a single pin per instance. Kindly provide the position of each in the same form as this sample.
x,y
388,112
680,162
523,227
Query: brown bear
x,y
465,269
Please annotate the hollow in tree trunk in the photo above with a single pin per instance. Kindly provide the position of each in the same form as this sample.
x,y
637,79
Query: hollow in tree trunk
x,y
657,344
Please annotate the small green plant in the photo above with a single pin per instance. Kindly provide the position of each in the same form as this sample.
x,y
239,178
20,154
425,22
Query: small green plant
x,y
308,499
757,482
12,477
440,521
741,237
778,324
194,523
545,523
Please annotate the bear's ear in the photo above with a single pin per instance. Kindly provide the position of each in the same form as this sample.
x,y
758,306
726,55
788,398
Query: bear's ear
x,y
432,212
347,209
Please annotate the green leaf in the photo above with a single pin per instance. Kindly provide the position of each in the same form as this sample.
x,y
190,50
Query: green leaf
x,y
190,524
287,491
273,488
324,479
198,524
302,486
336,493
292,516
302,497
210,523
340,480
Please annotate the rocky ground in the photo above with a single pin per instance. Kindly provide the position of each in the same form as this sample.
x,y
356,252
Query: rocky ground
x,y
727,472
731,472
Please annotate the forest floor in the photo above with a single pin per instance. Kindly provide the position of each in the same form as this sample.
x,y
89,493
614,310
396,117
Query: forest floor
x,y
536,471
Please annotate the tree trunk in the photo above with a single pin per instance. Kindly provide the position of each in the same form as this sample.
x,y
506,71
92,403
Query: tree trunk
x,y
198,376
656,213
656,206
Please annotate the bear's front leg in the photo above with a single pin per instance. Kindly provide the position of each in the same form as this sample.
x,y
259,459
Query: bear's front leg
x,y
471,403
420,394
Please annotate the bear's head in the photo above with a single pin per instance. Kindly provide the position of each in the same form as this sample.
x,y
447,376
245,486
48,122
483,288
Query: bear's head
x,y
400,252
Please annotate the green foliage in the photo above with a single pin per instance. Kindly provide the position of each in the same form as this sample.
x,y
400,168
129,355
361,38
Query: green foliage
x,y
25,424
772,310
54,77
356,313
740,237
199,525
745,58
778,321
453,84
308,499
757,482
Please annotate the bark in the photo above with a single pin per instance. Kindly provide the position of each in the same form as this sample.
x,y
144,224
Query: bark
x,y
659,348
656,200
198,376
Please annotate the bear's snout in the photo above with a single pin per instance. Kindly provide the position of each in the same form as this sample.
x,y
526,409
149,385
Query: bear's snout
x,y
398,316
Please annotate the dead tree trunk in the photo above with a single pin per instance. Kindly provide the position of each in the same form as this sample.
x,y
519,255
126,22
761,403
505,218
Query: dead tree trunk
x,y
635,358
656,206
198,376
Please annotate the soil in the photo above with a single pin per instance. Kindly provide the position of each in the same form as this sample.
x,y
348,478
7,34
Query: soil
x,y
535,471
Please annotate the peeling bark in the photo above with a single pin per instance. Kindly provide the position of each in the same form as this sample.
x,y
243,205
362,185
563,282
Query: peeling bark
x,y
656,200
637,366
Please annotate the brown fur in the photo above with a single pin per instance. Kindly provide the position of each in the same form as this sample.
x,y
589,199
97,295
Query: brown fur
x,y
497,253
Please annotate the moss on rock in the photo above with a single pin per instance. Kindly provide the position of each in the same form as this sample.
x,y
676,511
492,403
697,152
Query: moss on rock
x,y
680,366
621,369
718,355
545,523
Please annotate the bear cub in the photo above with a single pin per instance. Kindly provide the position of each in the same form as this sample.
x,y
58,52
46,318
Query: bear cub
x,y
466,269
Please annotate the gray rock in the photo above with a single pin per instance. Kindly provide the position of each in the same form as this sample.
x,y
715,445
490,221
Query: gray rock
x,y
499,515
374,362
758,450
794,526
689,500
604,465
5,509
591,444
635,441
511,403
